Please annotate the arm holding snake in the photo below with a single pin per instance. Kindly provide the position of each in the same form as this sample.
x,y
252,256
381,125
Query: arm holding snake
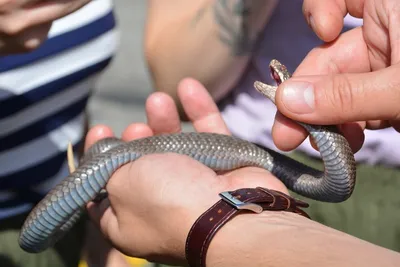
x,y
63,205
148,203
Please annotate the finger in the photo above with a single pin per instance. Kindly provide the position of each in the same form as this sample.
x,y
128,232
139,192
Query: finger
x,y
162,114
392,22
11,6
325,17
102,215
336,99
8,7
347,54
287,135
24,41
354,133
47,11
200,107
355,8
97,210
136,131
97,133
37,13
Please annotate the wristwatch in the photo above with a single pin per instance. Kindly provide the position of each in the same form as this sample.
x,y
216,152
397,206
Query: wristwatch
x,y
232,203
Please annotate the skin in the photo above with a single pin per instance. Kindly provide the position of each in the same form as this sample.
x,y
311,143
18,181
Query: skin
x,y
146,204
24,24
218,35
355,75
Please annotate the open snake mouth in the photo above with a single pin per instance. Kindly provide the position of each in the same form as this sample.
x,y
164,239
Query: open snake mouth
x,y
275,76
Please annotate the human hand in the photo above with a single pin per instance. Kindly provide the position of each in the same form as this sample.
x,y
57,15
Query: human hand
x,y
24,24
156,199
352,81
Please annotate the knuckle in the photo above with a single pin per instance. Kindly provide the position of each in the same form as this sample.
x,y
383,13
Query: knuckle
x,y
341,97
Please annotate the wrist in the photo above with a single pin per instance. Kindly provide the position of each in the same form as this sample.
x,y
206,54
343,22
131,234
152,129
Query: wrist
x,y
175,243
232,204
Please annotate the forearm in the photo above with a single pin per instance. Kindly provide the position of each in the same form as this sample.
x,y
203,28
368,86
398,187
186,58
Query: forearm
x,y
207,40
272,239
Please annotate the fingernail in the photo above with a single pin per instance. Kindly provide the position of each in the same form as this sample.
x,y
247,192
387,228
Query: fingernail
x,y
298,97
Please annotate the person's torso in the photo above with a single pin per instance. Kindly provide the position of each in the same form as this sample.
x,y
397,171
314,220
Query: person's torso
x,y
43,96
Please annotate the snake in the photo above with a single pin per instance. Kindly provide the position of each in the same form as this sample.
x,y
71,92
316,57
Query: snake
x,y
63,205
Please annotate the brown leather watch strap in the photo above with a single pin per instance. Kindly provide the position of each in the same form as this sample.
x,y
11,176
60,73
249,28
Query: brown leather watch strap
x,y
245,199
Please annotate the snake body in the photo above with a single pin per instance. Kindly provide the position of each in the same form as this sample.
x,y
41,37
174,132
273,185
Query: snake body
x,y
53,216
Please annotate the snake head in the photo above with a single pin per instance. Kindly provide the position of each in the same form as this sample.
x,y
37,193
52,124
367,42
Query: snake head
x,y
279,71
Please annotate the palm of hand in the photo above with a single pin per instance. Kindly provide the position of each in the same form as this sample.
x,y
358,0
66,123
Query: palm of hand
x,y
162,195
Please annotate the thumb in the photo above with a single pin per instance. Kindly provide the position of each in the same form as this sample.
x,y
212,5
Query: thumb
x,y
340,98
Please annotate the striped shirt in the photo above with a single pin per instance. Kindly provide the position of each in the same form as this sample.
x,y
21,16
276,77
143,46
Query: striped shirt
x,y
43,96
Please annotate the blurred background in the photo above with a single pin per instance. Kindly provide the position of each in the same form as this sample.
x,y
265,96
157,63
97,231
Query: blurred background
x,y
125,85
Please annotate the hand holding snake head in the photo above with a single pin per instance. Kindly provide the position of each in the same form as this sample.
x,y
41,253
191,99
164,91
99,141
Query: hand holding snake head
x,y
352,80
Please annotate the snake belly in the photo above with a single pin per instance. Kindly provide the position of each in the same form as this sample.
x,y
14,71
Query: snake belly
x,y
62,206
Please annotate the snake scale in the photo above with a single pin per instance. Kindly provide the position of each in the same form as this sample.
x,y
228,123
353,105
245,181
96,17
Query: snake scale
x,y
57,212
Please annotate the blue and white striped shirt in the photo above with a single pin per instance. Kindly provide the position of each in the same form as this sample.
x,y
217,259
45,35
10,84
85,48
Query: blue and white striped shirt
x,y
43,96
